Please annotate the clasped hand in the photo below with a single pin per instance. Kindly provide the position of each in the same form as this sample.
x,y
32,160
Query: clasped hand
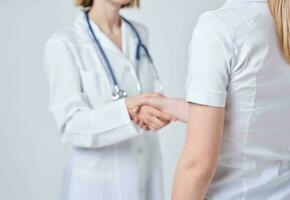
x,y
145,115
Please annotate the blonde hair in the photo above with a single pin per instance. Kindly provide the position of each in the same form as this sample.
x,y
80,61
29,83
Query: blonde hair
x,y
89,3
281,12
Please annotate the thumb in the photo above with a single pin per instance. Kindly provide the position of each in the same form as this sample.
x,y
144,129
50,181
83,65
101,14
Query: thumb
x,y
153,99
156,102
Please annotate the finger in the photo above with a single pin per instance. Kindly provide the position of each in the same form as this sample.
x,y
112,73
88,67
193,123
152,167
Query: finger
x,y
145,127
143,99
165,124
150,123
151,119
152,128
136,120
141,123
162,115
156,123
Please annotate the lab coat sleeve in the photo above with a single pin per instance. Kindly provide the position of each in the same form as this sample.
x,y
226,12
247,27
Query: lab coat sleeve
x,y
80,125
210,56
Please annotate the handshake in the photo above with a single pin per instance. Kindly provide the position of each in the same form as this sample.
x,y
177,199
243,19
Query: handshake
x,y
153,111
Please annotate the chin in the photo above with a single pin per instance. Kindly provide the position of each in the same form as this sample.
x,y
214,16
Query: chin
x,y
120,2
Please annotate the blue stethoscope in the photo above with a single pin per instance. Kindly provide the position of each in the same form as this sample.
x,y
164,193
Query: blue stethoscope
x,y
119,93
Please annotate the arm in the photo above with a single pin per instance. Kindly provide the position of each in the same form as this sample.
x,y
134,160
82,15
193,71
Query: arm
x,y
81,125
211,57
199,158
151,118
173,106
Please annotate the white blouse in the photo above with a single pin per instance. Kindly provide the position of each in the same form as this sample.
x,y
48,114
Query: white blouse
x,y
236,63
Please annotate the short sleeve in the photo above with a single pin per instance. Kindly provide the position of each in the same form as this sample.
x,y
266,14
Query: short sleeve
x,y
210,55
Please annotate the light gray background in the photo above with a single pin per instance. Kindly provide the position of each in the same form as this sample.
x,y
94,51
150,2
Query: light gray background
x,y
32,157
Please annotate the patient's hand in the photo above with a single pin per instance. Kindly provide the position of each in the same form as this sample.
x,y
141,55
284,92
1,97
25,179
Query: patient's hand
x,y
173,106
152,111
153,119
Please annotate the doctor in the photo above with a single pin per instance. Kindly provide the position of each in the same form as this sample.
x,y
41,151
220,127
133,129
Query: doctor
x,y
97,69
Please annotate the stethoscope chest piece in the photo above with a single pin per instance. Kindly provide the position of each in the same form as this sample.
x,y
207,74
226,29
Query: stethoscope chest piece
x,y
118,94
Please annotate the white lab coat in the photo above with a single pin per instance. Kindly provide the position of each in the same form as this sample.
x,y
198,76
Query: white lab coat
x,y
112,159
236,62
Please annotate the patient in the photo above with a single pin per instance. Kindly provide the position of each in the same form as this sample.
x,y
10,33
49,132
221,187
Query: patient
x,y
238,138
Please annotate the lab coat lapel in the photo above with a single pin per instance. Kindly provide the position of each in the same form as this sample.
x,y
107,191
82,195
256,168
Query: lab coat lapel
x,y
105,41
130,42
122,62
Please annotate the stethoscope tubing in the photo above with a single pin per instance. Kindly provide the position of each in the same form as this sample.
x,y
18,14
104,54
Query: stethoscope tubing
x,y
104,57
106,62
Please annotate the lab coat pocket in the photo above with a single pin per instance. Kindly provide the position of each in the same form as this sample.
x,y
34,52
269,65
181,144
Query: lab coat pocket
x,y
96,87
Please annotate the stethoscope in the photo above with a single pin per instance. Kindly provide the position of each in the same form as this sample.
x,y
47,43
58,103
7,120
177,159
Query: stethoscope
x,y
119,93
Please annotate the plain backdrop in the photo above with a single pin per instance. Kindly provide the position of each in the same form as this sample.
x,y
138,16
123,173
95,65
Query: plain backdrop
x,y
32,158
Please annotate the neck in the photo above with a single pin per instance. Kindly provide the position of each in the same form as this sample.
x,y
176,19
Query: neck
x,y
106,15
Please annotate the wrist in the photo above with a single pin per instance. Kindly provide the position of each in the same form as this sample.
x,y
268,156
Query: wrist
x,y
131,108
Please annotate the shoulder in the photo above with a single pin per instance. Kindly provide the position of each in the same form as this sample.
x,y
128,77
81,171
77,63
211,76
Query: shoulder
x,y
63,43
218,20
73,34
211,37
232,18
66,36
210,28
223,22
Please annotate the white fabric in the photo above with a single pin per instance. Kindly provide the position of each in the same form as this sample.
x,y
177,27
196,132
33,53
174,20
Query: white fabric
x,y
236,63
111,159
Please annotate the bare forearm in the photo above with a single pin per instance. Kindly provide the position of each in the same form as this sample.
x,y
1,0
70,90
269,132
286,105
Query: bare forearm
x,y
191,184
199,158
177,108
173,106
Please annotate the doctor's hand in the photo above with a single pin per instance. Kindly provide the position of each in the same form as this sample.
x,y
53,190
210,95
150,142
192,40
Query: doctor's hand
x,y
147,117
134,103
152,119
